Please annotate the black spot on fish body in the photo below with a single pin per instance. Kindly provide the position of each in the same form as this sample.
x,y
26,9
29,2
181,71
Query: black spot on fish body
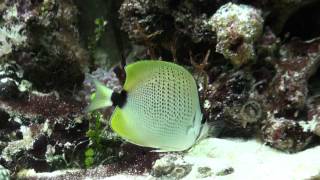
x,y
119,99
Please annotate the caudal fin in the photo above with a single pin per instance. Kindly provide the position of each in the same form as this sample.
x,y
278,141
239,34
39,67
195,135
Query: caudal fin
x,y
101,98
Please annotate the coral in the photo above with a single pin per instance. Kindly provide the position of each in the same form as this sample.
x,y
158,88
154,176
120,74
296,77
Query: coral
x,y
237,27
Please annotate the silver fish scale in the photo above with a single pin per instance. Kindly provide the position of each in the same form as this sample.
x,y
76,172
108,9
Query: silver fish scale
x,y
164,103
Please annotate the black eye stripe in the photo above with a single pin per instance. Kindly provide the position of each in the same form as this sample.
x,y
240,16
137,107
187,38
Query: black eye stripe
x,y
119,99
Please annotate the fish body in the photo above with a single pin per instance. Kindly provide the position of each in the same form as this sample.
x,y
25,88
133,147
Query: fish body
x,y
160,106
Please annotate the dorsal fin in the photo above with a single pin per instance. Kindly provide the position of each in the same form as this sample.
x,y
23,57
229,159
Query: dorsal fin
x,y
138,71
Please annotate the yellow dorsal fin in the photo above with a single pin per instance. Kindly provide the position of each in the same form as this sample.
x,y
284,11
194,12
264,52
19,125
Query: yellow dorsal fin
x,y
138,71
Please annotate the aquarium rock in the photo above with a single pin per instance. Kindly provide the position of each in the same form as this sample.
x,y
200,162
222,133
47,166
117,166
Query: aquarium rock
x,y
286,134
256,64
238,27
49,26
10,76
12,34
171,167
313,125
169,29
204,172
15,147
231,107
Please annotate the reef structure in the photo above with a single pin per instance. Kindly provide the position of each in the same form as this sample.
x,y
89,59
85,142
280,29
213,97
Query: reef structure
x,y
266,92
257,74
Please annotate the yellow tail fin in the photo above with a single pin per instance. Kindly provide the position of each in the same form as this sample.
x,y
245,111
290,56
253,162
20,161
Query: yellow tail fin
x,y
101,98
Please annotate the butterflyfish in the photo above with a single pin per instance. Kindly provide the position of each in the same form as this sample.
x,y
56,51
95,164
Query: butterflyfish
x,y
158,106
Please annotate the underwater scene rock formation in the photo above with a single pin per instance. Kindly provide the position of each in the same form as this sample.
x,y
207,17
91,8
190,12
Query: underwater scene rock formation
x,y
255,64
